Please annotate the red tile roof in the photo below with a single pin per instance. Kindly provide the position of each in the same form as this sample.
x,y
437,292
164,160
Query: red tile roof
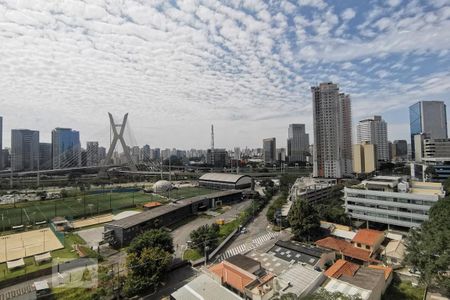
x,y
345,248
232,275
368,236
341,267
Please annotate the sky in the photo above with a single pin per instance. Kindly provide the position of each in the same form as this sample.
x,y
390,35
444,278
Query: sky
x,y
245,66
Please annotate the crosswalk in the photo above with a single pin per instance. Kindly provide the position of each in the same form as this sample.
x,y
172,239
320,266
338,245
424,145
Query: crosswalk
x,y
243,248
17,293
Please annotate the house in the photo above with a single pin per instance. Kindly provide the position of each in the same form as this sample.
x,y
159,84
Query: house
x,y
296,252
203,287
338,286
346,250
394,253
374,279
245,277
368,239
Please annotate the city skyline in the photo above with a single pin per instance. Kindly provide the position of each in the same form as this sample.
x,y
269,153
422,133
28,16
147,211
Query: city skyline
x,y
170,64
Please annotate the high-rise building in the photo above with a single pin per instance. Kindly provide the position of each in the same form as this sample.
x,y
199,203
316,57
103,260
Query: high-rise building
x,y
155,154
66,148
146,153
237,153
364,158
297,143
101,154
281,155
428,117
219,158
270,150
374,131
135,153
45,156
92,152
332,120
437,148
399,150
24,149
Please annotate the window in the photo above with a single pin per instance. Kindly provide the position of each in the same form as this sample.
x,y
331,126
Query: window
x,y
367,247
358,245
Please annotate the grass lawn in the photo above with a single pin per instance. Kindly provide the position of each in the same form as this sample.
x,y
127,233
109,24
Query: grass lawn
x,y
192,254
228,228
71,293
403,290
72,207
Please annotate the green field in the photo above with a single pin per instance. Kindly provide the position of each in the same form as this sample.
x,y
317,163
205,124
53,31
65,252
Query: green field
x,y
28,213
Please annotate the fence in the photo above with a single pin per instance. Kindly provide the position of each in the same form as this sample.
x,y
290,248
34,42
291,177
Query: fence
x,y
59,235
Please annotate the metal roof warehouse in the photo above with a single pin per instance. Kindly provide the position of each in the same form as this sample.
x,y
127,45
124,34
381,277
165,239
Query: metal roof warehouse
x,y
225,181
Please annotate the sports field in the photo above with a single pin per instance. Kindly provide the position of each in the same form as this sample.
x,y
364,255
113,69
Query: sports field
x,y
28,243
33,212
100,219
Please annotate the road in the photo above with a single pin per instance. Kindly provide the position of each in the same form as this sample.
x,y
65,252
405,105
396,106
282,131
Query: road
x,y
181,234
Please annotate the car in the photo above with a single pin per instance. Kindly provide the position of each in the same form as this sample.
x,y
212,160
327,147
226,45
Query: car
x,y
243,230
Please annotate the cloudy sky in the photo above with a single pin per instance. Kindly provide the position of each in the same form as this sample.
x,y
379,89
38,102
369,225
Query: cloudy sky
x,y
246,66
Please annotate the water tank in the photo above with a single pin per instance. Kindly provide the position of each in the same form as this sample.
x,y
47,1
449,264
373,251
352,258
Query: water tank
x,y
162,186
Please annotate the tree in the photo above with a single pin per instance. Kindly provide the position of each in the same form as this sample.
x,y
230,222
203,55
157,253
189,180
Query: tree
x,y
154,238
323,294
430,172
205,236
146,271
427,247
333,212
304,220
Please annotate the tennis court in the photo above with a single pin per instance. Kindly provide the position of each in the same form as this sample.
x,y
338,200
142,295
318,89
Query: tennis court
x,y
89,205
92,221
28,243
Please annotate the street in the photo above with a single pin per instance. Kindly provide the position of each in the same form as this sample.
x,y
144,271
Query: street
x,y
181,234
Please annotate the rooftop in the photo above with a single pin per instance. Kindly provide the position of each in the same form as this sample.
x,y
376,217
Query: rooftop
x,y
365,278
368,236
243,262
293,251
299,278
341,267
222,177
335,285
204,287
270,262
346,248
232,275
161,210
387,270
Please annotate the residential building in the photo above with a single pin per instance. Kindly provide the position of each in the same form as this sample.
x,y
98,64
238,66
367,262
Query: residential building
x,y
428,117
418,144
399,150
244,276
24,149
350,279
203,287
45,156
364,158
346,250
368,239
155,154
374,131
332,157
392,201
92,154
270,150
300,280
297,143
66,148
394,253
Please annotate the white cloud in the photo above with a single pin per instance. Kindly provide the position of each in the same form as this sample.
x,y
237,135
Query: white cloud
x,y
348,14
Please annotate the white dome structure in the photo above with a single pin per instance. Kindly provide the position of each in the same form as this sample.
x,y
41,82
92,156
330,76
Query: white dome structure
x,y
162,186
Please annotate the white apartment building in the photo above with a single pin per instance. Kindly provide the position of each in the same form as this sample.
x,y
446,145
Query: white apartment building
x,y
391,200
332,121
374,131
